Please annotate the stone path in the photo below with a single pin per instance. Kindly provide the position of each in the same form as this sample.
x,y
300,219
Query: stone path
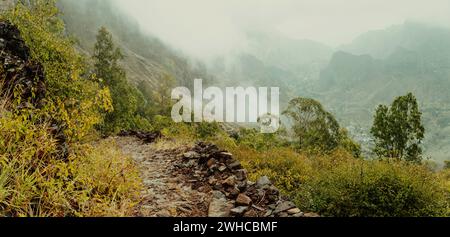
x,y
166,191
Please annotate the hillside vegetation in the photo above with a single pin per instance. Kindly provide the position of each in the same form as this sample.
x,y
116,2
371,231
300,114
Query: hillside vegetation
x,y
47,167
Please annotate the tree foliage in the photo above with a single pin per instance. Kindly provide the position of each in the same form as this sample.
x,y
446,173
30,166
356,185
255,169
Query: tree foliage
x,y
312,125
125,97
398,129
317,129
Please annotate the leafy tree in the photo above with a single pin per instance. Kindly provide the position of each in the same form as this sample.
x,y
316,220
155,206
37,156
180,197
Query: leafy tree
x,y
124,96
398,130
312,125
316,129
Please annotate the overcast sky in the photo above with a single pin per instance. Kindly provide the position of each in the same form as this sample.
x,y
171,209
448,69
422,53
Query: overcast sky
x,y
205,28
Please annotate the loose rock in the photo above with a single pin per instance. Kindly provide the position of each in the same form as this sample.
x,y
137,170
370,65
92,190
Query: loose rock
x,y
235,165
219,206
284,206
230,181
243,200
191,155
311,215
239,210
241,174
263,182
293,211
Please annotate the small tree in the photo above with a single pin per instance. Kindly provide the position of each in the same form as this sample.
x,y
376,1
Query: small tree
x,y
162,95
124,96
398,130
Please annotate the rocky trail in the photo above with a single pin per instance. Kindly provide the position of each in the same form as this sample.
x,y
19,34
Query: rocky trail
x,y
199,181
165,192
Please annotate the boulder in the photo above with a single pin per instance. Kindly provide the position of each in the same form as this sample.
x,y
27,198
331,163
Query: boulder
x,y
251,213
222,168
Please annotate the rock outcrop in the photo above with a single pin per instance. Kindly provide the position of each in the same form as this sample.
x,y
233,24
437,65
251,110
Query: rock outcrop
x,y
20,75
23,80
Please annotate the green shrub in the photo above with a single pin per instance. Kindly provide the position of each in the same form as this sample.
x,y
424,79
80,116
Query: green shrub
x,y
259,141
170,129
207,130
377,189
337,184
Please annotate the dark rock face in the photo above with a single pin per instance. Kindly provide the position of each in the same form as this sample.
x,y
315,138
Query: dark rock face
x,y
19,73
216,171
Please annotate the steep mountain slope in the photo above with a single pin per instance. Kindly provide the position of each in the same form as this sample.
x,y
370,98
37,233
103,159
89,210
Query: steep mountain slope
x,y
146,58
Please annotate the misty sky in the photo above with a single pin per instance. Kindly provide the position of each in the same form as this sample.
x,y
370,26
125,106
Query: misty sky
x,y
206,28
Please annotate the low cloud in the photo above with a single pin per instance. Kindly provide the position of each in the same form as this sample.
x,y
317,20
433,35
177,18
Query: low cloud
x,y
207,28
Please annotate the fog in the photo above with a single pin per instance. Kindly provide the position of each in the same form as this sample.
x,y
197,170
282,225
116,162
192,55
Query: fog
x,y
205,28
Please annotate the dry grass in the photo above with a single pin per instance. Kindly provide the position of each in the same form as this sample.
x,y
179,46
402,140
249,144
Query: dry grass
x,y
96,181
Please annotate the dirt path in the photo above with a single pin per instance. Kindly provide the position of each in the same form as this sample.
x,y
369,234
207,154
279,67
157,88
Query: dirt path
x,y
167,192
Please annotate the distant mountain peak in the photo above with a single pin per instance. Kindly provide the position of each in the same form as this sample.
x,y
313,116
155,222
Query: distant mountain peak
x,y
411,35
